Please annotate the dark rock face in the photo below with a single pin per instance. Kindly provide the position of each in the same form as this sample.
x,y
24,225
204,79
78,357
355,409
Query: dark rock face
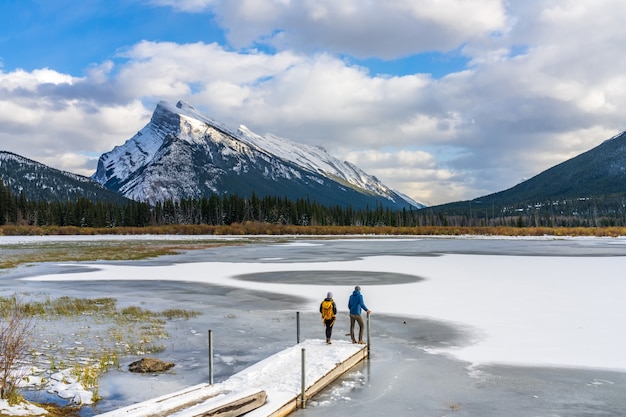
x,y
147,365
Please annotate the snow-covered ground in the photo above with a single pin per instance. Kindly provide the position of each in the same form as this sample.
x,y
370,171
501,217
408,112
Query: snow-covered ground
x,y
559,311
555,311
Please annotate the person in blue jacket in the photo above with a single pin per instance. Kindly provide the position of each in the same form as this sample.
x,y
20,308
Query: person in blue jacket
x,y
356,304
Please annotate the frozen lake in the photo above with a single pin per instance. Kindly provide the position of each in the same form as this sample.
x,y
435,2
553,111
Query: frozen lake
x,y
460,326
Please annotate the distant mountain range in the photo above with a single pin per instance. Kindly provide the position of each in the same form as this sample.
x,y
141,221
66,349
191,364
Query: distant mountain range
x,y
182,153
597,173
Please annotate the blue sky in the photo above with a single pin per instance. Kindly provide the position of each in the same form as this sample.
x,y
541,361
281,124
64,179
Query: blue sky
x,y
68,36
444,100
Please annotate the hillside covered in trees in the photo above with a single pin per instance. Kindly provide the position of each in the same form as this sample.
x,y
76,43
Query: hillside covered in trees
x,y
225,210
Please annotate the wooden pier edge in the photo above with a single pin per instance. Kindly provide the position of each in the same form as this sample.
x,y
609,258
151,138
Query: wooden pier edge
x,y
339,370
322,383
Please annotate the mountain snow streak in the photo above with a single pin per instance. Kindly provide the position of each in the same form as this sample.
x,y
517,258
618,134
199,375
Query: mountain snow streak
x,y
182,153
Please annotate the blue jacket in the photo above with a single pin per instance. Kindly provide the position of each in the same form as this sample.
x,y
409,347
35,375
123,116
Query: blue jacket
x,y
355,303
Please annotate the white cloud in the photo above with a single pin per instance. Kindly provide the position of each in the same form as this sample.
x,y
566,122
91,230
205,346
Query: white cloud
x,y
61,131
471,16
415,173
362,28
32,80
191,6
172,71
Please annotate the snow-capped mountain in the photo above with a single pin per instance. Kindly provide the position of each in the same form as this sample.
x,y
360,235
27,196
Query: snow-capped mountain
x,y
182,153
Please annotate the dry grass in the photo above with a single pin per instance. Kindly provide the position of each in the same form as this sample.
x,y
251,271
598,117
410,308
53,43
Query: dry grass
x,y
53,410
89,336
260,228
454,407
12,256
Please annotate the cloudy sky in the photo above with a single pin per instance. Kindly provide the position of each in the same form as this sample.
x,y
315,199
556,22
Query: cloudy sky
x,y
444,100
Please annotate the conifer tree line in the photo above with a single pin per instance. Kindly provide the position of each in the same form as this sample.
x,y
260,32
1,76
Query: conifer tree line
x,y
228,209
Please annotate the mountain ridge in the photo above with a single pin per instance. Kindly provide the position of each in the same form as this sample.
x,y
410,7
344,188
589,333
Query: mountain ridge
x,y
600,171
182,153
41,182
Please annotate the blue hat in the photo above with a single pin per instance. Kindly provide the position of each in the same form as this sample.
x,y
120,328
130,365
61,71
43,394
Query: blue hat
x,y
329,295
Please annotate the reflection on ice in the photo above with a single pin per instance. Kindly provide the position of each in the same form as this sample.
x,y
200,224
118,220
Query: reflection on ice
x,y
331,278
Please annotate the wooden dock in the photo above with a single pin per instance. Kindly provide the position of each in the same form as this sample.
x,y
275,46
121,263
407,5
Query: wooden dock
x,y
270,388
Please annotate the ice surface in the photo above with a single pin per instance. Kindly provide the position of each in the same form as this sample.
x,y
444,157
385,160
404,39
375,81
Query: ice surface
x,y
534,321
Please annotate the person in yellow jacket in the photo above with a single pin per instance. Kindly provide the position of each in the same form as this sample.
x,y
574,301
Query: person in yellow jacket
x,y
328,309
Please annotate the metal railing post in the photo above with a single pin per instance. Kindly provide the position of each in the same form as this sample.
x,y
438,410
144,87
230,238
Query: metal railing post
x,y
303,402
297,327
211,357
368,335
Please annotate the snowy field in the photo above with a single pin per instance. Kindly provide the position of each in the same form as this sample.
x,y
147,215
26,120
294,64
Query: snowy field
x,y
521,302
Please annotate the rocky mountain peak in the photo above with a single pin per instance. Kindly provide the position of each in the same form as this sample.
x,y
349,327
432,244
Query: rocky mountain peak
x,y
182,153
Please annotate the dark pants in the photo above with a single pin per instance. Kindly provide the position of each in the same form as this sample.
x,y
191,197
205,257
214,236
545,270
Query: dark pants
x,y
329,327
356,318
